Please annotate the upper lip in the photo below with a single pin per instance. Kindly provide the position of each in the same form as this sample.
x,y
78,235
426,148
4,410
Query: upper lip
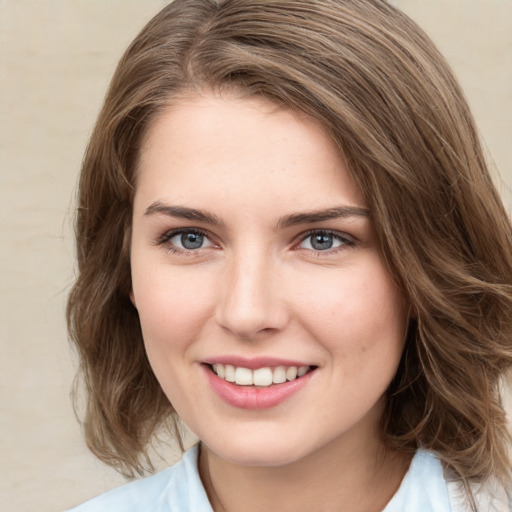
x,y
254,363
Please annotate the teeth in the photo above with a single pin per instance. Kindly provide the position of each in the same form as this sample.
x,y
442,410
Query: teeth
x,y
279,375
243,377
229,373
219,370
261,377
291,373
302,371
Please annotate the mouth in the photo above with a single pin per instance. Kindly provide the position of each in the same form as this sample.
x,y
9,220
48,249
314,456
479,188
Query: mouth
x,y
266,384
263,377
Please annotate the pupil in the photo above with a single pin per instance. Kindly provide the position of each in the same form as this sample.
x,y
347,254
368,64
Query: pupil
x,y
321,242
191,240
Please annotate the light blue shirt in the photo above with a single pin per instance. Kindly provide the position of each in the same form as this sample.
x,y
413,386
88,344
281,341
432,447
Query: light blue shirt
x,y
423,488
179,489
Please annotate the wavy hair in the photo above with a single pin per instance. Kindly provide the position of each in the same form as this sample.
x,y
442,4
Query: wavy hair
x,y
390,102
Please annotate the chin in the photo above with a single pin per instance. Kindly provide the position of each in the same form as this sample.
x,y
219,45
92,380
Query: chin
x,y
259,458
264,451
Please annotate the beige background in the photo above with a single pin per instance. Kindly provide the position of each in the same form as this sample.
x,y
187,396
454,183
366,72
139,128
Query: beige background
x,y
56,58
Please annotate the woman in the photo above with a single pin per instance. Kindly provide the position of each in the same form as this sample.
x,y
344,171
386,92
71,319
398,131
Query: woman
x,y
287,237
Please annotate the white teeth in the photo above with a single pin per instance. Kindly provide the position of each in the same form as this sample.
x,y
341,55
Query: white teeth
x,y
261,377
279,375
291,373
229,373
302,371
243,376
219,370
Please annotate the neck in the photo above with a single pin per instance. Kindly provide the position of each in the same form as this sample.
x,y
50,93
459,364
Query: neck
x,y
339,476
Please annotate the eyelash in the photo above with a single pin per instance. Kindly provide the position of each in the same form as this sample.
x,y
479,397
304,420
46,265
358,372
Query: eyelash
x,y
347,241
165,239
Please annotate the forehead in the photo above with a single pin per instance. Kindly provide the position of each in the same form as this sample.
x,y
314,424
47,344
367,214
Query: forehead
x,y
248,151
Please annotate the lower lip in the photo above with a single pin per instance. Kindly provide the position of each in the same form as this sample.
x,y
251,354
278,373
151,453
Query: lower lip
x,y
250,397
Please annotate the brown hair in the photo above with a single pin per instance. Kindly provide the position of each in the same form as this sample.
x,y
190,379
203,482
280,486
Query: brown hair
x,y
390,102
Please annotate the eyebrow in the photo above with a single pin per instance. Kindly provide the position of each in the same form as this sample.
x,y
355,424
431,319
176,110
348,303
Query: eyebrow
x,y
321,215
183,212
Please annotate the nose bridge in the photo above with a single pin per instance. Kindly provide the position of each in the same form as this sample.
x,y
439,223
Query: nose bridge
x,y
249,303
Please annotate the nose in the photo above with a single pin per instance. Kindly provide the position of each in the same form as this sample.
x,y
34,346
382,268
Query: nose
x,y
251,298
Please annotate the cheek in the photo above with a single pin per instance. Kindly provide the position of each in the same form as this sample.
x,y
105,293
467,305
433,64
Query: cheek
x,y
355,312
172,306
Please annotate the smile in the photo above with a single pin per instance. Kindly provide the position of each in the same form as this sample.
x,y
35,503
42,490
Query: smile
x,y
261,377
259,387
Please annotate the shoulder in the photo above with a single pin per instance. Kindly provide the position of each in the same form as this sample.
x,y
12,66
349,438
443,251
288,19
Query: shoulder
x,y
176,489
427,487
489,497
423,487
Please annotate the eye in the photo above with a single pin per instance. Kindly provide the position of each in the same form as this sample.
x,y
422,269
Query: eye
x,y
187,240
324,241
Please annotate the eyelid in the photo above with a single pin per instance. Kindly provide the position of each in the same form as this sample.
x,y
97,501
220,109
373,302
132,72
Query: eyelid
x,y
348,240
165,238
167,235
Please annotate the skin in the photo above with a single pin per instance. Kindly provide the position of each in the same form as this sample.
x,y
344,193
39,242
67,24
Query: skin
x,y
258,287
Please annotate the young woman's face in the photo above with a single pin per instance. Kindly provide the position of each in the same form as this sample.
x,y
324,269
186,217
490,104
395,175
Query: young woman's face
x,y
254,260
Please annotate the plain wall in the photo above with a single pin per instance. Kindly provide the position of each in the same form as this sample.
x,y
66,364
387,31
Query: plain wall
x,y
56,59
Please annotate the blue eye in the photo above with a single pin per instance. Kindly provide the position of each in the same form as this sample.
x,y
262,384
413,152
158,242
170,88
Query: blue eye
x,y
189,240
323,241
